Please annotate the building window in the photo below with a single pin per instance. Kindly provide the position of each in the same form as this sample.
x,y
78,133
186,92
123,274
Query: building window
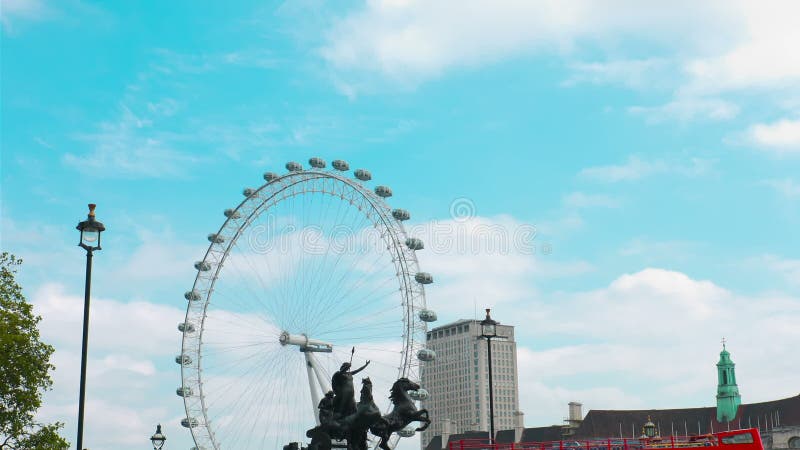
x,y
794,442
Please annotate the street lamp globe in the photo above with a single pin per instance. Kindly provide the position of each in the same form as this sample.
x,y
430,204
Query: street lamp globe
x,y
158,439
90,231
488,326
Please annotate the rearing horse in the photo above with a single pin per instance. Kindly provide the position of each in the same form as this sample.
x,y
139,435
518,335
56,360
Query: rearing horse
x,y
403,413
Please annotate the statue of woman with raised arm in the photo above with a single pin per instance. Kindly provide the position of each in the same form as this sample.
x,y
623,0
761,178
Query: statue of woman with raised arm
x,y
344,400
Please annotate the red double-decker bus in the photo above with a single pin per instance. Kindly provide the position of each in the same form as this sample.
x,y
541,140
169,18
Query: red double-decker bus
x,y
746,439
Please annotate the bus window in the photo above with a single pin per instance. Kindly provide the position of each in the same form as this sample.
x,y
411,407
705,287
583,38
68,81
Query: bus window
x,y
744,438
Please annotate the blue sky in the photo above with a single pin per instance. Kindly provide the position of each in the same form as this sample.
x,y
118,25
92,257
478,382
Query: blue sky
x,y
655,149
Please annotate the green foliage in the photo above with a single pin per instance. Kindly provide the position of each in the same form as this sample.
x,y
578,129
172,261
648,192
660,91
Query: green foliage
x,y
24,369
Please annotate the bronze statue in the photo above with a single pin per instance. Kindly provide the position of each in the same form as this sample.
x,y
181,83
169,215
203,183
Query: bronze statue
x,y
344,400
352,426
326,408
403,413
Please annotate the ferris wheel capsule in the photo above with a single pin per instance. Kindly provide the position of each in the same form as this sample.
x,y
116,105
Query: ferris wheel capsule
x,y
270,176
189,422
423,278
340,165
426,355
363,174
383,191
202,266
419,394
415,243
427,315
183,360
191,295
216,238
232,214
407,432
317,163
186,327
248,192
401,214
293,166
184,392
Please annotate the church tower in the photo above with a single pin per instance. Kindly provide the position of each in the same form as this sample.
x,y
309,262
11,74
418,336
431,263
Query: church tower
x,y
728,398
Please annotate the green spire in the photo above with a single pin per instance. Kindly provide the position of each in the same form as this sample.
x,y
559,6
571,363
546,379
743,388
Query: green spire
x,y
728,399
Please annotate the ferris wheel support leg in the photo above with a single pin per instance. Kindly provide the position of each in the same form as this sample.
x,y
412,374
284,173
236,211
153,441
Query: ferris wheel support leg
x,y
324,384
315,397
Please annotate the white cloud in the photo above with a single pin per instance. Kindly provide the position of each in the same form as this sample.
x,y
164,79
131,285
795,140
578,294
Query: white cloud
x,y
14,10
636,168
764,55
659,250
583,200
723,45
788,269
130,147
650,315
781,137
688,109
130,344
634,73
135,328
412,40
786,187
699,51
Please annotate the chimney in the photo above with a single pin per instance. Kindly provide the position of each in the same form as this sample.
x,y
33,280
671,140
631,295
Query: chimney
x,y
575,413
446,430
519,425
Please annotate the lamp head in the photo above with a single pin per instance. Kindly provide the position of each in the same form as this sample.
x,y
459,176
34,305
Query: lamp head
x,y
90,231
158,438
488,326
649,428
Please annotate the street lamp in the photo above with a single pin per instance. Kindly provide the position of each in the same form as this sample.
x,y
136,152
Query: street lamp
x,y
649,429
158,438
90,241
489,331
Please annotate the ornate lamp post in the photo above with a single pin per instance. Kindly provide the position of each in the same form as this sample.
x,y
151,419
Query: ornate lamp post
x,y
158,438
649,429
489,331
90,241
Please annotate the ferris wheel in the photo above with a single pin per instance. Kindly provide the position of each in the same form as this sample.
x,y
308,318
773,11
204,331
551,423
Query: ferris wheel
x,y
310,270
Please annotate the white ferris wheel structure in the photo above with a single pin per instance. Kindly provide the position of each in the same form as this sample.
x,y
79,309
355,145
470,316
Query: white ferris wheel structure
x,y
311,269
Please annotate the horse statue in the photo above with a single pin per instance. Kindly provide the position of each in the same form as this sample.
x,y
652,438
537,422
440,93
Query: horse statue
x,y
352,428
403,413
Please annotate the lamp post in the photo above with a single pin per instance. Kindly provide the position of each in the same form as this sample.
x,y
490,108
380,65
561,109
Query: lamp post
x,y
489,331
90,241
158,438
649,429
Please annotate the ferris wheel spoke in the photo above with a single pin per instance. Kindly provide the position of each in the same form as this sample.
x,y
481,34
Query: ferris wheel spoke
x,y
331,286
264,286
316,284
249,395
323,292
237,299
371,315
359,305
330,314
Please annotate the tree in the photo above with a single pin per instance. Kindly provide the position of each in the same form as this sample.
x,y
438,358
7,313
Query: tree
x,y
24,369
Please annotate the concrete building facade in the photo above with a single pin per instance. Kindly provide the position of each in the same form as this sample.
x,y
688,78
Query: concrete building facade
x,y
458,380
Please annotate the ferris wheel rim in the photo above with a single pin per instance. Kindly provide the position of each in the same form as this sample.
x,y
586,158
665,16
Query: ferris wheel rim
x,y
404,258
